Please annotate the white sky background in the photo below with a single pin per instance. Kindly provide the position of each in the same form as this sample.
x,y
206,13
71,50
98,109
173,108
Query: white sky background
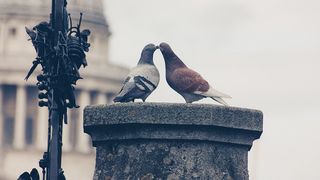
x,y
265,54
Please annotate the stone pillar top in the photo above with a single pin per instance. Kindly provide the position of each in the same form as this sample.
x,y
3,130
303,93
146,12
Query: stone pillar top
x,y
172,121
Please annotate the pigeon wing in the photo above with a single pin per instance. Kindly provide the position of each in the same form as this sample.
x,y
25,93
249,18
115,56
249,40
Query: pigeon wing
x,y
187,80
124,83
135,87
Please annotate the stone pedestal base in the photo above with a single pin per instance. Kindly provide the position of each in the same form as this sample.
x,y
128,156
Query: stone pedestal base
x,y
171,160
172,141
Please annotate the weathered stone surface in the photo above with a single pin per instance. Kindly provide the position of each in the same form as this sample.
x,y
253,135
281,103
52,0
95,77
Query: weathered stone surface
x,y
175,160
171,141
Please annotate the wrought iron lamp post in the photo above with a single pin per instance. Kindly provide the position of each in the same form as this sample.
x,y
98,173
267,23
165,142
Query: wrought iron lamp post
x,y
60,49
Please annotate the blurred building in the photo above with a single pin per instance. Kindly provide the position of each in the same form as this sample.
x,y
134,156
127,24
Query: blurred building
x,y
23,126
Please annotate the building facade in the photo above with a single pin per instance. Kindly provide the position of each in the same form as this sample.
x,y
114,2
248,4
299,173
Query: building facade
x,y
23,126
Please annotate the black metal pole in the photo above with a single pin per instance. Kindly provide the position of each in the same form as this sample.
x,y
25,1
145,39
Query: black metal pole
x,y
56,108
57,19
61,52
55,144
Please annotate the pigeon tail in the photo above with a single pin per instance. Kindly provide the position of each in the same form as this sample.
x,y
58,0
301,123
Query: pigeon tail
x,y
220,100
118,99
213,93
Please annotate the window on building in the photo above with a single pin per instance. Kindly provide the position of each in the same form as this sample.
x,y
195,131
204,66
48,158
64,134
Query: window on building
x,y
73,124
94,97
29,131
74,115
9,100
8,108
8,129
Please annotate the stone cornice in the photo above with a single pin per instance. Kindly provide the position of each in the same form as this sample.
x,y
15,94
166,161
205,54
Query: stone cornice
x,y
171,121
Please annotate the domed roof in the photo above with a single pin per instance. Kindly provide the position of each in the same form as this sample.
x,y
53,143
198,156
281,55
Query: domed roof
x,y
92,9
17,53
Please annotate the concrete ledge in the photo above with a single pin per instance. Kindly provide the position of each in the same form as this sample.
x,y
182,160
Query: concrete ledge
x,y
137,139
172,121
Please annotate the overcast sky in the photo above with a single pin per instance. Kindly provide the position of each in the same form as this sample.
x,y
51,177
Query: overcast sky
x,y
265,54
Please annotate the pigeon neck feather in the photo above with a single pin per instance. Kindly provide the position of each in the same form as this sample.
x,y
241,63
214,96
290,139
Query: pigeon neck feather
x,y
172,61
146,58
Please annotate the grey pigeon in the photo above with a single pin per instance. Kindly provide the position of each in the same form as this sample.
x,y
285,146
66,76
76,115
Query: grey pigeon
x,y
142,79
185,81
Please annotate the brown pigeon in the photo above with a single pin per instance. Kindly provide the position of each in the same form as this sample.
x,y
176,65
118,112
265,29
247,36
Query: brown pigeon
x,y
185,81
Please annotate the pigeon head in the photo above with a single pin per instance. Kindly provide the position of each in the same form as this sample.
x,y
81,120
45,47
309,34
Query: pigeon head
x,y
167,52
150,48
147,54
166,49
170,58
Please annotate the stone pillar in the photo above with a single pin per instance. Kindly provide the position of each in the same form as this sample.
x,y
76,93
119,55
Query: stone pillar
x,y
66,144
172,141
20,118
42,128
83,140
3,31
102,98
